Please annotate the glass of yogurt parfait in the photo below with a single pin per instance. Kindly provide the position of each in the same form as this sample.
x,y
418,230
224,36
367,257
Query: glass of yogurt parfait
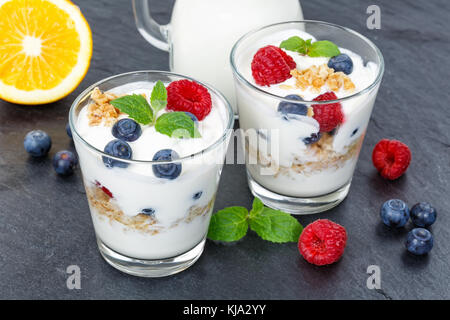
x,y
151,147
305,92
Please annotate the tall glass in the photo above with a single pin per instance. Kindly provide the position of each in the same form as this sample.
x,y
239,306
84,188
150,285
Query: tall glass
x,y
283,172
171,237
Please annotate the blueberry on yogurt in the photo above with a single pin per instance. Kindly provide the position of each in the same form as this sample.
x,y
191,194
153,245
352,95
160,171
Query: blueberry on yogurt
x,y
148,212
127,130
313,138
119,149
197,195
341,63
293,108
168,171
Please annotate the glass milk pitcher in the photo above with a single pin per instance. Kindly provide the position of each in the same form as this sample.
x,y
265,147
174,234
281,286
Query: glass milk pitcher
x,y
201,33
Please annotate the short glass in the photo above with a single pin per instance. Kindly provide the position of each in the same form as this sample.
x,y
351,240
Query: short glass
x,y
140,243
281,173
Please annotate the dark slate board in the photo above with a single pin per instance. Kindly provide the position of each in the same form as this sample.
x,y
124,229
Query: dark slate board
x,y
45,224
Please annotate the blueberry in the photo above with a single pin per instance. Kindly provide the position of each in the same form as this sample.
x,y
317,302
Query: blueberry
x,y
313,138
64,162
293,108
197,195
127,130
148,211
419,241
37,143
68,130
394,213
166,171
354,132
193,117
117,148
423,214
342,63
262,133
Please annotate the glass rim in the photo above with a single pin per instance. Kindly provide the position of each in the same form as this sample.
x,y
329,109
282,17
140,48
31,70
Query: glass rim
x,y
308,102
86,94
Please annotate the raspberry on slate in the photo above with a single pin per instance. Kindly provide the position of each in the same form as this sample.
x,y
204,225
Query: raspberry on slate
x,y
322,242
189,96
329,115
271,65
391,158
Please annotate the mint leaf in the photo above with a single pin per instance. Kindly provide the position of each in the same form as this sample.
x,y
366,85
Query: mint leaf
x,y
136,106
295,43
158,99
177,125
274,225
323,48
257,207
229,224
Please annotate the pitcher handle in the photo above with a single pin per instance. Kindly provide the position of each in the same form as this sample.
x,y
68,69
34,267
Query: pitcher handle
x,y
153,32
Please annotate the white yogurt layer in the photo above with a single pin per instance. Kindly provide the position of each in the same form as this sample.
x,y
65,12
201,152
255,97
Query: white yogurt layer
x,y
136,187
259,111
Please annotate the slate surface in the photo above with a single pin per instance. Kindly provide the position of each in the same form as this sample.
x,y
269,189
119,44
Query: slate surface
x,y
45,224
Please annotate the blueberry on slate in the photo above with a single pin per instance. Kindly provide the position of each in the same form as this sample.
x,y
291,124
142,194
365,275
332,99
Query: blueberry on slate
x,y
37,143
68,130
293,108
64,162
197,195
148,211
127,130
342,63
419,241
193,117
166,171
313,138
394,213
423,214
119,149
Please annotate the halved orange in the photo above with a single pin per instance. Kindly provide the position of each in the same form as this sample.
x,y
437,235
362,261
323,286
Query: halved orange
x,y
45,50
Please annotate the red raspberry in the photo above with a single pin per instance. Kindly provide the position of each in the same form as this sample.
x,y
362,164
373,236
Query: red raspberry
x,y
391,158
271,65
322,242
186,95
330,115
104,189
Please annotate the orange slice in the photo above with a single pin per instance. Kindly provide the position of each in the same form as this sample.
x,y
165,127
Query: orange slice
x,y
45,50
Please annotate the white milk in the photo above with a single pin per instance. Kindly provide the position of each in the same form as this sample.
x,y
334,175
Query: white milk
x,y
203,32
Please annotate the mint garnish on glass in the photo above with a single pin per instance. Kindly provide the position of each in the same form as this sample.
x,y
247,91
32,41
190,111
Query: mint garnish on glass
x,y
173,124
322,48
232,223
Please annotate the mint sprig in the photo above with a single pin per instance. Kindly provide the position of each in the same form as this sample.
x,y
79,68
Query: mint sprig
x,y
231,224
177,125
323,48
158,98
136,106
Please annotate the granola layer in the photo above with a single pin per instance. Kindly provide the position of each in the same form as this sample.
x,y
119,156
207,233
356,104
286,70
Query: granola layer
x,y
322,151
107,208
